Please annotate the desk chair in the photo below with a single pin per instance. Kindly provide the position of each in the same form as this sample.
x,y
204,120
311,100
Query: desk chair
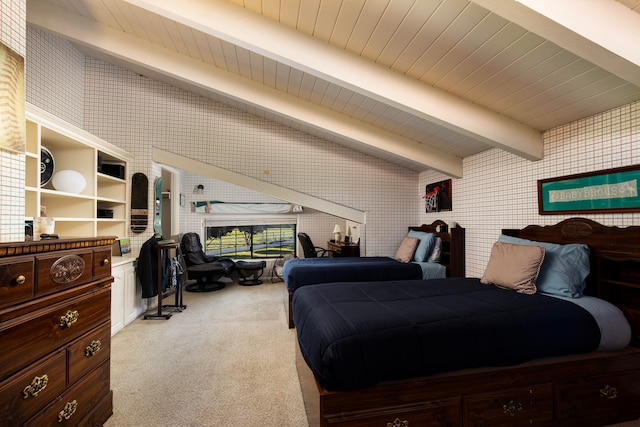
x,y
311,251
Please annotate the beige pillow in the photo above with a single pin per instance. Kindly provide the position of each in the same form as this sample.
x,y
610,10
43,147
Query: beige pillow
x,y
406,249
514,266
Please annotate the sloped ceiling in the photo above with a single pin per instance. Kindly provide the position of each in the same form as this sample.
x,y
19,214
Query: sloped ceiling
x,y
420,83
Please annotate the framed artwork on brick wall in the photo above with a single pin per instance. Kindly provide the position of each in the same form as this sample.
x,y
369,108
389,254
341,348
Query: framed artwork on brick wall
x,y
605,191
438,197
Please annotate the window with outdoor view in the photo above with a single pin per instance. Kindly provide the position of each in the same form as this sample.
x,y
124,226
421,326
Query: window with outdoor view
x,y
250,241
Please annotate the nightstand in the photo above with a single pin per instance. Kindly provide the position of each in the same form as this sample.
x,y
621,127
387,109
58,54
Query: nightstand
x,y
343,249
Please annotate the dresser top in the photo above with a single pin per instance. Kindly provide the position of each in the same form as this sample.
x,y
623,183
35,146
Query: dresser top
x,y
39,246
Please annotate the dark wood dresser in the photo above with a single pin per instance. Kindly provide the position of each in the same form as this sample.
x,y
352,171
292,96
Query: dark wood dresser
x,y
55,332
341,249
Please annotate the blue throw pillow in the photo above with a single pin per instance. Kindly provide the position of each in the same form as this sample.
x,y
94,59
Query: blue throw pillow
x,y
425,246
564,269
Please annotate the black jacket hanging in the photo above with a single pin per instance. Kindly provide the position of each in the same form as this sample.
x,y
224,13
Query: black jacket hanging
x,y
147,269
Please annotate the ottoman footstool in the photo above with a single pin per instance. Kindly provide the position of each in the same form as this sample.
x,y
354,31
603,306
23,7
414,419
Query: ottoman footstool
x,y
250,272
206,277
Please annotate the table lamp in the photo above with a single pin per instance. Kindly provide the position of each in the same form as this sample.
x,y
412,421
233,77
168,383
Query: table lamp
x,y
336,233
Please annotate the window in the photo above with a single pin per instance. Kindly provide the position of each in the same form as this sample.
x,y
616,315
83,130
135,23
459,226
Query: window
x,y
250,241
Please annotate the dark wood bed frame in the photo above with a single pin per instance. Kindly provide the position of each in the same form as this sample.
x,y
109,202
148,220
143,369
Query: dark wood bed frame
x,y
452,256
589,390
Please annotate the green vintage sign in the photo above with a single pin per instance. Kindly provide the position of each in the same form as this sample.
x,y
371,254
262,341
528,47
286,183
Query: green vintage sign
x,y
611,190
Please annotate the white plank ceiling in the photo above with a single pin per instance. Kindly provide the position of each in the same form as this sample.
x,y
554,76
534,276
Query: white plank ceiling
x,y
421,83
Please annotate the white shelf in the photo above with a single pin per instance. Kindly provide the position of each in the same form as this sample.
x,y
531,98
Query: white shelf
x,y
76,215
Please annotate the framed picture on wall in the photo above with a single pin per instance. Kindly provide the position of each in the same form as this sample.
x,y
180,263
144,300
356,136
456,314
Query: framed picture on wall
x,y
606,191
438,197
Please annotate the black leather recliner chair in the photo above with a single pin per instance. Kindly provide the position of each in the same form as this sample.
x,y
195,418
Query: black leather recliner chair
x,y
204,269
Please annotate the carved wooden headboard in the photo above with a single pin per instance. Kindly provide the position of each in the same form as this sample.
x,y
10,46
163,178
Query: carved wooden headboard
x,y
614,259
453,246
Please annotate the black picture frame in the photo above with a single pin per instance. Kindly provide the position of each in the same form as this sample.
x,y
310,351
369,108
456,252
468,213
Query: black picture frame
x,y
438,197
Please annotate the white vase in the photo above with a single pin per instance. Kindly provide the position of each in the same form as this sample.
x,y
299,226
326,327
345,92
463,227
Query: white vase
x,y
69,181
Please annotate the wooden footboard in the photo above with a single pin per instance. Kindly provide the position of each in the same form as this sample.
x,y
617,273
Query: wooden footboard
x,y
586,390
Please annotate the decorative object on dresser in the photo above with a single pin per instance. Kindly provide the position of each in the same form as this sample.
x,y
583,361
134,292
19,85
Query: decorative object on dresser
x,y
55,330
588,389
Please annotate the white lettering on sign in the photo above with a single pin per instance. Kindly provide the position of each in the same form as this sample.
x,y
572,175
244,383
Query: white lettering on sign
x,y
620,190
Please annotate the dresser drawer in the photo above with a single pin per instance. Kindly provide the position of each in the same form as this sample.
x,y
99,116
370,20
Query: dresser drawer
x,y
23,394
16,283
77,402
523,406
607,398
89,351
57,271
50,328
101,263
438,413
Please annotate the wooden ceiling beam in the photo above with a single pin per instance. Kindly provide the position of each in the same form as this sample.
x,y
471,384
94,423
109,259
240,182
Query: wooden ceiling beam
x,y
121,46
232,23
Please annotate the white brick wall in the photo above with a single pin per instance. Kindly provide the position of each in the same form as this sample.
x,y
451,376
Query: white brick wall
x,y
499,190
12,165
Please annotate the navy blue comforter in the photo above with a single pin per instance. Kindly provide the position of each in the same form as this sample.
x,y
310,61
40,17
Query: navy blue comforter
x,y
354,336
299,272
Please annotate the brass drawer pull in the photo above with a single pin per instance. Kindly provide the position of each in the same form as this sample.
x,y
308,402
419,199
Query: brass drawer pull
x,y
20,280
511,408
69,409
105,261
398,423
92,348
69,318
37,385
609,392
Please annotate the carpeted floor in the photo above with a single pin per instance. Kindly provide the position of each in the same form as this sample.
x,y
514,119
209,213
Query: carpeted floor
x,y
227,360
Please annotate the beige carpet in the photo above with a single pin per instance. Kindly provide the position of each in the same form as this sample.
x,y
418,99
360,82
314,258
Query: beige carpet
x,y
227,360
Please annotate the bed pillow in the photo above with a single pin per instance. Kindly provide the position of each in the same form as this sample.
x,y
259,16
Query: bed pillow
x,y
564,270
425,246
406,249
436,252
514,267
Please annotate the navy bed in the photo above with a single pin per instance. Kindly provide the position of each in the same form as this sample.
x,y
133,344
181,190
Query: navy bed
x,y
300,272
353,335
458,352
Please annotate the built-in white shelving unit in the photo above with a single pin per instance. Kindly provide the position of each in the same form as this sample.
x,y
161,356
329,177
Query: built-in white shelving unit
x,y
101,209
